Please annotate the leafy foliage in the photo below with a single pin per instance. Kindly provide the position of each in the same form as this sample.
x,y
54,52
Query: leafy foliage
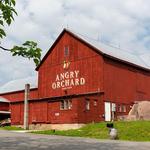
x,y
7,12
29,49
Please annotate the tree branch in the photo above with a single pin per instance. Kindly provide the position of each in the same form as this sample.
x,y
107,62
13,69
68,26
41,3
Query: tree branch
x,y
5,49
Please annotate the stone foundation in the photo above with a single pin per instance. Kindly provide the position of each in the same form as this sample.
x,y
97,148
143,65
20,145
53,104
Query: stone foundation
x,y
53,126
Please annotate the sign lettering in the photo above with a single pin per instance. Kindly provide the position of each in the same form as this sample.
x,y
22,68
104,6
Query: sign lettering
x,y
68,79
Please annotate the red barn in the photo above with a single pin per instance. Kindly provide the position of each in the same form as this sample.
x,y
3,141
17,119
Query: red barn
x,y
81,81
4,108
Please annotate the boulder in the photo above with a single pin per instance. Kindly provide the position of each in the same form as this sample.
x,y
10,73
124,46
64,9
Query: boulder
x,y
140,111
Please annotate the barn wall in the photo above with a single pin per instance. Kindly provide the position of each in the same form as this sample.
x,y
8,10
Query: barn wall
x,y
4,106
96,111
17,110
58,116
78,112
38,112
44,112
49,112
143,86
81,58
19,95
124,84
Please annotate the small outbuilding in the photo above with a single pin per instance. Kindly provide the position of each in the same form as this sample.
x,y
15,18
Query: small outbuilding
x,y
4,108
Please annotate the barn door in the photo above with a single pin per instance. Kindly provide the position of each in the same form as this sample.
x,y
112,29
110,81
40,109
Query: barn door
x,y
107,111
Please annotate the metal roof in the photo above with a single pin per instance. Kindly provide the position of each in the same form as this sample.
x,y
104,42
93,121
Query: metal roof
x,y
18,85
139,60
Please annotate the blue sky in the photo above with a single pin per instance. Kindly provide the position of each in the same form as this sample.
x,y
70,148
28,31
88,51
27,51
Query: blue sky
x,y
122,23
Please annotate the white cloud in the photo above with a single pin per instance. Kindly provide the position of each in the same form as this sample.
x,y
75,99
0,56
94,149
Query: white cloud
x,y
125,23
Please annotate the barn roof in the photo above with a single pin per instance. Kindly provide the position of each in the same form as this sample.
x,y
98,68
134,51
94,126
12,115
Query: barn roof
x,y
118,53
106,50
18,85
2,99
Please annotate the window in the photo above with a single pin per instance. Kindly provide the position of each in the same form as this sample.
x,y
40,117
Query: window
x,y
95,102
65,104
87,104
123,108
119,108
66,51
113,107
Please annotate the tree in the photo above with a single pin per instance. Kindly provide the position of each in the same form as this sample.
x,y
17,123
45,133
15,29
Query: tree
x,y
28,49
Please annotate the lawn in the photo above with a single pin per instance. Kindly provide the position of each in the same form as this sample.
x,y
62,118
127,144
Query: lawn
x,y
10,128
132,131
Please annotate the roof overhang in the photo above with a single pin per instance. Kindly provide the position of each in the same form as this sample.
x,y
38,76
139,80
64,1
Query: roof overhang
x,y
5,112
55,98
4,100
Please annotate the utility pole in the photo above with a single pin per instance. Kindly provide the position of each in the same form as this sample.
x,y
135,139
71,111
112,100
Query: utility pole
x,y
26,107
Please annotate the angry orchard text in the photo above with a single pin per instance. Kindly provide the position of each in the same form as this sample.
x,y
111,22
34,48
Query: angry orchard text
x,y
68,79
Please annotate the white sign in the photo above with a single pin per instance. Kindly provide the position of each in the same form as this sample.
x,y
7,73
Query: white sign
x,y
56,114
68,79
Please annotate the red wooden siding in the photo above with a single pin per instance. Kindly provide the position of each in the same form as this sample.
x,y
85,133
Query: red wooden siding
x,y
62,116
81,58
95,113
17,110
125,84
50,112
19,96
38,112
4,106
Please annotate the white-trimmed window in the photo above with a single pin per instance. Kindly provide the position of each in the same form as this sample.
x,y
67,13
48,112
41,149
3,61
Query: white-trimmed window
x,y
113,107
65,104
87,104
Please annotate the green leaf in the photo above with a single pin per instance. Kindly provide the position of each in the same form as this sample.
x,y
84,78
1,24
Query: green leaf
x,y
2,33
8,11
28,50
36,61
13,2
1,23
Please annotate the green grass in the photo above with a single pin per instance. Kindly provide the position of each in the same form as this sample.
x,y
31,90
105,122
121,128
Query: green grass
x,y
10,128
132,131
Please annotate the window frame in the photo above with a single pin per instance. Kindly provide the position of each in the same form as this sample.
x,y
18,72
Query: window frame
x,y
66,51
124,109
87,104
65,104
95,102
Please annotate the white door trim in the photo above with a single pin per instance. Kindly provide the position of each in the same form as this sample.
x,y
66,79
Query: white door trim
x,y
107,111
